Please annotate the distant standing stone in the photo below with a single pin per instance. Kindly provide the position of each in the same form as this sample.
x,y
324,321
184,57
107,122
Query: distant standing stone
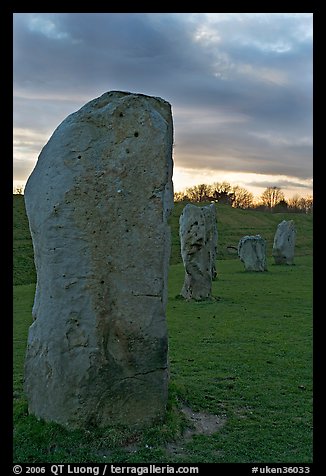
x,y
198,237
98,202
252,252
284,242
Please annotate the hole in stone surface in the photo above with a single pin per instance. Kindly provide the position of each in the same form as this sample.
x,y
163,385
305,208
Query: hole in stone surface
x,y
79,157
121,114
127,151
136,134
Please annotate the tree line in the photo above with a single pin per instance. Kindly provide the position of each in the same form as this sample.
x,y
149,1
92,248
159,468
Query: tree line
x,y
271,199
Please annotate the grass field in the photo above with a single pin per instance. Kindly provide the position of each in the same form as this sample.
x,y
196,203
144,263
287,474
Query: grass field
x,y
245,357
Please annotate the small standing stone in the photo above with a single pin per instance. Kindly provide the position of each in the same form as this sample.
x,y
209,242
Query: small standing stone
x,y
284,242
198,237
252,252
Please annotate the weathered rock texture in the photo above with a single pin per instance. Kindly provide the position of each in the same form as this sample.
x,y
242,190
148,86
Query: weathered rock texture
x,y
284,242
198,237
252,252
97,203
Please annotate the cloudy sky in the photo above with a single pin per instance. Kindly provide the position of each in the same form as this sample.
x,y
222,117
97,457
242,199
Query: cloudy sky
x,y
240,86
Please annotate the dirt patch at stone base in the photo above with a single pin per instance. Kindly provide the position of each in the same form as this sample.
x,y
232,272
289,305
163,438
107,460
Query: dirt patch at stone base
x,y
203,423
200,423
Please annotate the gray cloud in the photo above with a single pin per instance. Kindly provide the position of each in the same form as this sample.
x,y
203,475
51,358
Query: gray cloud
x,y
240,85
281,183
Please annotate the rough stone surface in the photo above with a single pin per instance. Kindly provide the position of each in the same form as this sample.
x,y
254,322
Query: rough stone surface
x,y
252,252
198,237
98,202
284,242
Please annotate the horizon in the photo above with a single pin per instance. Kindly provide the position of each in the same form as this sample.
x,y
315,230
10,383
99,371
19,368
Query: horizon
x,y
256,197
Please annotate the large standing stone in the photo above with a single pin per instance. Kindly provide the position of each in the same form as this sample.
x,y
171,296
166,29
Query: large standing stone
x,y
198,237
252,252
98,202
284,242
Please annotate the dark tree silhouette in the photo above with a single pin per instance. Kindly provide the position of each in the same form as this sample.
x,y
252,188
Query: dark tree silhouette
x,y
271,197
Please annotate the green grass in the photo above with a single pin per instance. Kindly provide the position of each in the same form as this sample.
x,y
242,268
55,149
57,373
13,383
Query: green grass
x,y
23,257
245,356
248,355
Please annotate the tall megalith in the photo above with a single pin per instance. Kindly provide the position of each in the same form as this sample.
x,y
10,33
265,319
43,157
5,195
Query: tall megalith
x,y
284,242
198,238
98,202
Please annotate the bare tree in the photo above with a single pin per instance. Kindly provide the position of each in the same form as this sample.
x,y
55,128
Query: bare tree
x,y
242,197
297,204
271,197
294,203
179,196
198,193
222,192
307,204
18,190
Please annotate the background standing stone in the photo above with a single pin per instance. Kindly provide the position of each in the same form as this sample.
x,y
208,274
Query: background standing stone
x,y
98,202
198,237
252,252
284,242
